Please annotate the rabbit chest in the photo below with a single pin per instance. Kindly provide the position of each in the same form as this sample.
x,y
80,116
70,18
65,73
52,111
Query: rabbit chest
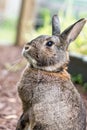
x,y
38,86
52,97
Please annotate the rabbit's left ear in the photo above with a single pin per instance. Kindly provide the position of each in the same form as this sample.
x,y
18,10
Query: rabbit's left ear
x,y
71,33
55,25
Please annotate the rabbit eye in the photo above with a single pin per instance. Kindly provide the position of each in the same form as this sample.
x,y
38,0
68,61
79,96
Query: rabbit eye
x,y
50,43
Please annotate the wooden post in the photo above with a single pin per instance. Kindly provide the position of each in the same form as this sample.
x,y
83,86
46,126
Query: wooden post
x,y
26,20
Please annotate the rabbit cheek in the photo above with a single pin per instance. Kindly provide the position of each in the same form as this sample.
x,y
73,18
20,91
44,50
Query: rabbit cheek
x,y
46,61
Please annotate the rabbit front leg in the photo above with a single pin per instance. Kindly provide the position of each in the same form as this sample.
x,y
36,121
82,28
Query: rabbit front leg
x,y
23,122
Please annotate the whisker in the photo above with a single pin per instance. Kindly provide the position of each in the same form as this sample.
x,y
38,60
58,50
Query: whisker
x,y
17,61
16,65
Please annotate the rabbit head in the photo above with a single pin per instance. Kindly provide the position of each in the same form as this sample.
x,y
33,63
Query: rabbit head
x,y
50,53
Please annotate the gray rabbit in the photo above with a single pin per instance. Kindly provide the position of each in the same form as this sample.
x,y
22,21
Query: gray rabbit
x,y
50,100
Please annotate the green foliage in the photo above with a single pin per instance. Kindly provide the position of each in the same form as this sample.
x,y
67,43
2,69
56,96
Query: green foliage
x,y
85,86
46,29
78,79
8,24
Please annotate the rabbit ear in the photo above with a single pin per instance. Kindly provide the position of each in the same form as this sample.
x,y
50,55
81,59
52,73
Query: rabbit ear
x,y
55,25
71,33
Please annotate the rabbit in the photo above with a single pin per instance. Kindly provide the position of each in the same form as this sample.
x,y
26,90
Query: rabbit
x,y
50,101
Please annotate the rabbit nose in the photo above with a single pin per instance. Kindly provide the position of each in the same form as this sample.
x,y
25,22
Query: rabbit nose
x,y
27,48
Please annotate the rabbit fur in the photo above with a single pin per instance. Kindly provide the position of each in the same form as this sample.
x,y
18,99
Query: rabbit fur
x,y
50,100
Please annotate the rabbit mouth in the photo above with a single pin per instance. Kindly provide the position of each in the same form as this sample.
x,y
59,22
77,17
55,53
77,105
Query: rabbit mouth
x,y
31,60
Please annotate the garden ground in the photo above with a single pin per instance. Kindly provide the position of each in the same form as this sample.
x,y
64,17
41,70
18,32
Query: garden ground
x,y
10,104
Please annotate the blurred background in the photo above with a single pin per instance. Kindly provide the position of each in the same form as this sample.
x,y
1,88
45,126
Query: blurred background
x,y
20,22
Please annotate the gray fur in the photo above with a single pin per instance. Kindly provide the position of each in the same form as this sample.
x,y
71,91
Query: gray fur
x,y
50,100
55,25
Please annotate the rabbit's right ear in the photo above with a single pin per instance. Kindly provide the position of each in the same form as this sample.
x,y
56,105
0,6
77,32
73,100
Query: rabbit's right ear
x,y
71,33
55,25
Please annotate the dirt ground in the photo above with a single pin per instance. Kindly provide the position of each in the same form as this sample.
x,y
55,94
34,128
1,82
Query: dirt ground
x,y
10,104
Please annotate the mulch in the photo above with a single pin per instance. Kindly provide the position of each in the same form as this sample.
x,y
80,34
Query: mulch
x,y
10,104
